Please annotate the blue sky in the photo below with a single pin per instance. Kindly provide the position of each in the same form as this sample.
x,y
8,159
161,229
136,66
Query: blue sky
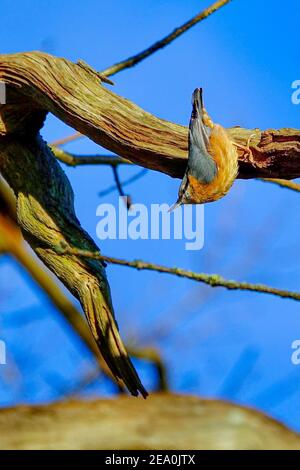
x,y
215,343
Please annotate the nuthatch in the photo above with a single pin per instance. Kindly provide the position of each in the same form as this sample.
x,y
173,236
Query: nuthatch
x,y
212,159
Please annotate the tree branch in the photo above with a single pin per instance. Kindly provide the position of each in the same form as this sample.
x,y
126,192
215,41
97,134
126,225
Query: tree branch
x,y
283,183
43,82
124,183
213,280
46,216
135,59
78,160
66,140
11,242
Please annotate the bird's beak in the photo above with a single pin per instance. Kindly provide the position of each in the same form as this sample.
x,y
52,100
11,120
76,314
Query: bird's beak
x,y
177,204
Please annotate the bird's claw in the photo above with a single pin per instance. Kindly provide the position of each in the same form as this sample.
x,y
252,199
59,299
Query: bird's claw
x,y
247,150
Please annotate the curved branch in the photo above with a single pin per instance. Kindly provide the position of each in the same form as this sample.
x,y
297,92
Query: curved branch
x,y
46,215
11,241
72,93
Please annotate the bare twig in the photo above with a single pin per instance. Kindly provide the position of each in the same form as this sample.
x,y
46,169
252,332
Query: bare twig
x,y
214,280
66,140
146,354
120,189
76,160
135,59
124,183
153,356
283,183
89,69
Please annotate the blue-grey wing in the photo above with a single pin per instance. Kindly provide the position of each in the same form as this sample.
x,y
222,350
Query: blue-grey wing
x,y
200,163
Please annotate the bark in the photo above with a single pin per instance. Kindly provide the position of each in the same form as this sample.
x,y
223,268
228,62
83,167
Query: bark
x,y
74,94
161,422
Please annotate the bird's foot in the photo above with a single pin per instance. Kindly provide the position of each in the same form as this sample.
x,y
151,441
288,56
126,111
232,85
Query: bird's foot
x,y
206,119
247,150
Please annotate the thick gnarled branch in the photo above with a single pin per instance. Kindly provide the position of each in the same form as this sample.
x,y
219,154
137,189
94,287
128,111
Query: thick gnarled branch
x,y
45,213
74,95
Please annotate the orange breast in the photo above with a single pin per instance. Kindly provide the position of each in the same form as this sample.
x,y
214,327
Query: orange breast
x,y
225,155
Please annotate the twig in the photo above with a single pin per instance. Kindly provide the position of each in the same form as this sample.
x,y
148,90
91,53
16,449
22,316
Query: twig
x,y
76,160
81,63
66,140
283,183
135,59
124,183
214,280
120,189
153,356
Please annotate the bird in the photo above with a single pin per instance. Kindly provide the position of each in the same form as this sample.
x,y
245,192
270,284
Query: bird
x,y
212,164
